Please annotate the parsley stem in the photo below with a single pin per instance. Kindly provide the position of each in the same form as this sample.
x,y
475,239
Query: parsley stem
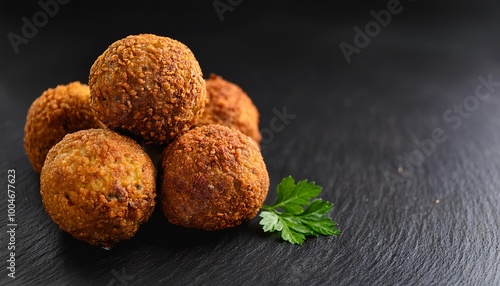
x,y
266,208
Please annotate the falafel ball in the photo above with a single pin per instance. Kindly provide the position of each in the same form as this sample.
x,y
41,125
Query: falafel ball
x,y
57,112
98,186
229,105
213,177
149,86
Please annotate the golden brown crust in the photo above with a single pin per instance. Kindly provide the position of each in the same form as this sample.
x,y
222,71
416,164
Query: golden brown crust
x,y
57,112
229,105
214,177
98,185
148,85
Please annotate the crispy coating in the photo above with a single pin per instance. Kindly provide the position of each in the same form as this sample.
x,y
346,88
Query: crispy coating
x,y
57,112
229,105
213,177
149,86
98,185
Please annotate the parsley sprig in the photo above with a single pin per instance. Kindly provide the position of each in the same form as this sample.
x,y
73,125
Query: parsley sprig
x,y
298,212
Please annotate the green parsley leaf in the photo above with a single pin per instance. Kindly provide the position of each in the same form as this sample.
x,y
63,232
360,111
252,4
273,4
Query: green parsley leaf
x,y
292,197
298,212
271,221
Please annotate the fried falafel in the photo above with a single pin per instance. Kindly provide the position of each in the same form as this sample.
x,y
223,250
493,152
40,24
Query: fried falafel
x,y
229,105
98,186
149,86
57,112
213,177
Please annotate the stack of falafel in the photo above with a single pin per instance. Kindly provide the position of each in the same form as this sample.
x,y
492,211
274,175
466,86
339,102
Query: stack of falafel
x,y
97,182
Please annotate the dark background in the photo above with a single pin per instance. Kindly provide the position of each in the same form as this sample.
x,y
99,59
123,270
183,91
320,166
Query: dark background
x,y
438,224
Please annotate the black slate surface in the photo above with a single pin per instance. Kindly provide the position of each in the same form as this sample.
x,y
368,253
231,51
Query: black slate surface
x,y
357,129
